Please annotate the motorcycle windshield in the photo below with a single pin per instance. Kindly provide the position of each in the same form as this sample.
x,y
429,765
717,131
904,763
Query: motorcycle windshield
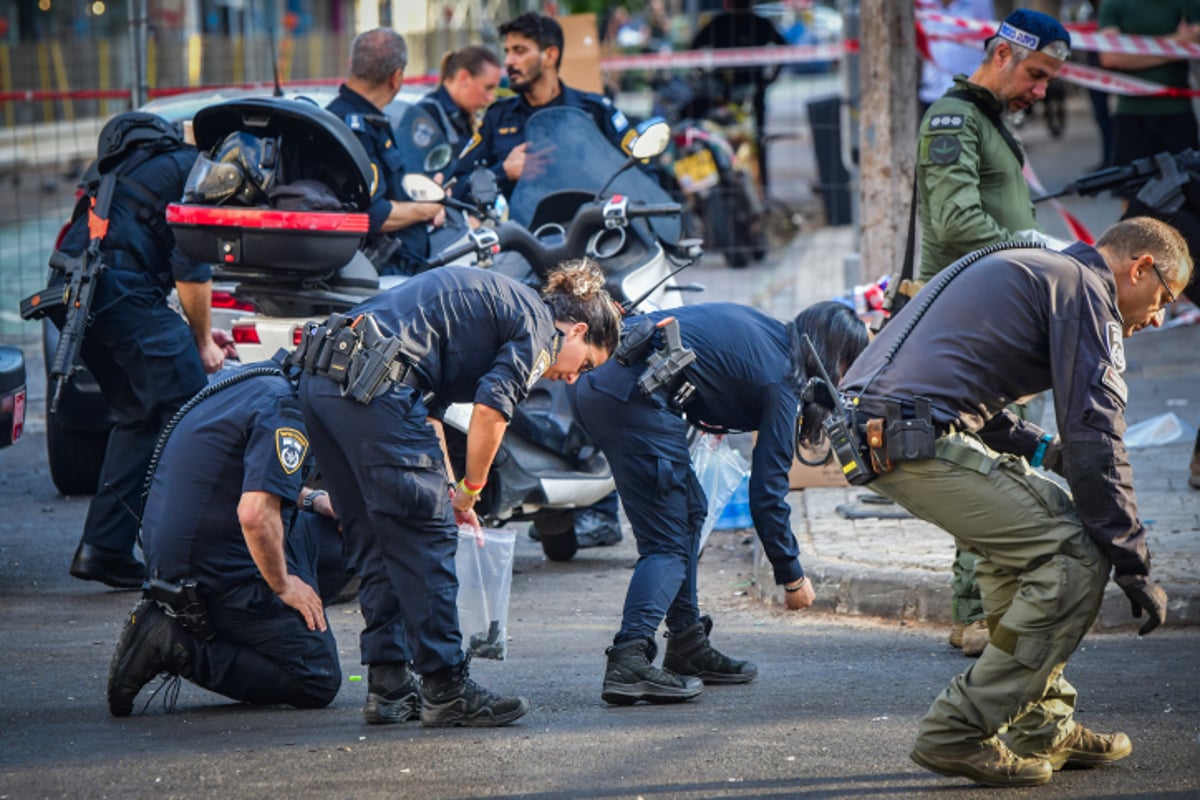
x,y
567,152
420,139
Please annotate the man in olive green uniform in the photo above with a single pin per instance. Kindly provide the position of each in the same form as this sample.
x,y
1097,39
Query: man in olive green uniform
x,y
972,194
971,191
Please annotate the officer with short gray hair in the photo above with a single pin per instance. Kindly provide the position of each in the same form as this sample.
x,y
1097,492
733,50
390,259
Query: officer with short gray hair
x,y
930,394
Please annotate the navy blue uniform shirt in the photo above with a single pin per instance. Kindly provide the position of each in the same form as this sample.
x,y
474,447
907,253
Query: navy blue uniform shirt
x,y
742,375
249,437
143,249
503,129
474,335
374,130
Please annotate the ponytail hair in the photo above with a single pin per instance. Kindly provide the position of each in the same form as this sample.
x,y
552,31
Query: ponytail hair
x,y
575,293
472,58
839,336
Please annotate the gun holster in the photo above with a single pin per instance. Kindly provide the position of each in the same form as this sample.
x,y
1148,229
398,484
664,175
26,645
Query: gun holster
x,y
182,602
908,430
353,353
665,366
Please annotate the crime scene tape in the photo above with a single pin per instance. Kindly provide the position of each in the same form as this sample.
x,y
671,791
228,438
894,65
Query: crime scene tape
x,y
1077,228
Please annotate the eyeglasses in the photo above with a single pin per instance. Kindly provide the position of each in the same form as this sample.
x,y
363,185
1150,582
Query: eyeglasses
x,y
1170,294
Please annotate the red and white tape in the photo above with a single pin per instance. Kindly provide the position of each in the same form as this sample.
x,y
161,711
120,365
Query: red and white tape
x,y
730,57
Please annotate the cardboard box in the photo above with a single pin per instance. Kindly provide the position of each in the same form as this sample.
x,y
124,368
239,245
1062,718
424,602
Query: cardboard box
x,y
580,67
801,476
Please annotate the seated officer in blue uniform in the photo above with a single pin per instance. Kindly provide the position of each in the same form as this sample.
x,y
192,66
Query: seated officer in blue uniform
x,y
451,335
230,602
747,375
533,46
397,242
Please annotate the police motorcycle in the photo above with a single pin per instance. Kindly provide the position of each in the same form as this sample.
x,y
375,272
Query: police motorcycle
x,y
578,196
290,237
713,175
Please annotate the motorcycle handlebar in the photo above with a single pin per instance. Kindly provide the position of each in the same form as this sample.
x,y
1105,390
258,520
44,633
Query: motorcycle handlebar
x,y
544,258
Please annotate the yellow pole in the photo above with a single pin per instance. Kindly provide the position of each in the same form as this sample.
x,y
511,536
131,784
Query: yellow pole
x,y
43,59
104,75
151,63
60,70
6,84
239,59
195,59
286,58
315,68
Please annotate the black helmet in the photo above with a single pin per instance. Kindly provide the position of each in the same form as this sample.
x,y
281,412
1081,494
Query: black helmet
x,y
240,170
132,128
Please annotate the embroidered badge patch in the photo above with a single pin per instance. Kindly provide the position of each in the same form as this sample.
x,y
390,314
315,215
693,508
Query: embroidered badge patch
x,y
946,122
423,133
291,446
540,365
1116,345
620,122
1113,381
944,149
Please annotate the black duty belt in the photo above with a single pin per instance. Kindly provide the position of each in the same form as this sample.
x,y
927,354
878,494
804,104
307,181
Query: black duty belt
x,y
354,353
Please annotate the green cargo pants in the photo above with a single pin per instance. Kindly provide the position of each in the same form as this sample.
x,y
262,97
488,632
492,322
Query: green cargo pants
x,y
1042,579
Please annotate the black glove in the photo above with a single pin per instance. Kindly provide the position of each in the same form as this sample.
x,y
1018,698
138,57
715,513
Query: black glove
x,y
1052,460
1144,595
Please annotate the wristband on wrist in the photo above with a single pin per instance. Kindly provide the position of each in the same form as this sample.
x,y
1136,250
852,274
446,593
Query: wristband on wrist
x,y
311,498
797,586
469,489
1040,453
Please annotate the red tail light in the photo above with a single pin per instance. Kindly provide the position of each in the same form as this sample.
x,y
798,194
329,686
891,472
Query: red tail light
x,y
297,335
245,334
228,301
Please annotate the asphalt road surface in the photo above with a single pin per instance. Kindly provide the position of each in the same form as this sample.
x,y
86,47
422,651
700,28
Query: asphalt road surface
x,y
832,713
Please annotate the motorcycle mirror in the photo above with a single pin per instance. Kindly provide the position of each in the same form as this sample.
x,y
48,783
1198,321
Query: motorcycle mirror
x,y
653,135
422,188
483,186
437,158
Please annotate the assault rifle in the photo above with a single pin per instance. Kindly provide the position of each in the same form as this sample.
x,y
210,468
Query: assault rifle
x,y
1161,177
79,288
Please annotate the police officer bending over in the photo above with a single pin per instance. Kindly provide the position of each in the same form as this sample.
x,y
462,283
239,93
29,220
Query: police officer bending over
x,y
720,365
931,392
145,357
533,45
449,335
231,603
397,242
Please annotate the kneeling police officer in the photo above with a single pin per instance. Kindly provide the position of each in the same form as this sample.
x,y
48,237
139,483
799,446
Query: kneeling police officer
x,y
231,601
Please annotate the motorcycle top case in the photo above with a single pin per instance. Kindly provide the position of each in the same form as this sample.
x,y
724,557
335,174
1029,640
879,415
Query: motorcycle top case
x,y
313,145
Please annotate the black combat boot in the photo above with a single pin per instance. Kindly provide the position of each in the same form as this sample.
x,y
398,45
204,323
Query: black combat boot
x,y
151,643
689,653
631,676
449,698
393,694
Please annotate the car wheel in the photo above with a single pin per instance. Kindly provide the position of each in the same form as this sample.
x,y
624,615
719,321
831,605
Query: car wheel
x,y
74,456
557,534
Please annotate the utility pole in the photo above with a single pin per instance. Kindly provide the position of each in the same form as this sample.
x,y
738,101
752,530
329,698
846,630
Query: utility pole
x,y
139,91
887,133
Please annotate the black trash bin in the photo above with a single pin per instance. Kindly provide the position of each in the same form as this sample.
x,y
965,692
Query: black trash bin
x,y
825,119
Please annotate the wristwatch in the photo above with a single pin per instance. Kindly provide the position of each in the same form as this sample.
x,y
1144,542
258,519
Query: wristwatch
x,y
309,499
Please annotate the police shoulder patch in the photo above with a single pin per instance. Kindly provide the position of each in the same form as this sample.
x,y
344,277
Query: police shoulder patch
x,y
291,446
944,149
946,122
355,122
1116,344
619,121
540,365
1112,380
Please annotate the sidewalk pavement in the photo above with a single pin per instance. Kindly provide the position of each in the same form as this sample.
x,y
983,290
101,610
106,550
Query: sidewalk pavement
x,y
900,568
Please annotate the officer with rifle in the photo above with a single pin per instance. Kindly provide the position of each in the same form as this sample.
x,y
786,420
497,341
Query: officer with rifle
x,y
108,296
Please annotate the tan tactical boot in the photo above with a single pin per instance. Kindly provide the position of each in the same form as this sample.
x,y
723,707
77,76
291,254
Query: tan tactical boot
x,y
956,634
1083,748
975,638
991,764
